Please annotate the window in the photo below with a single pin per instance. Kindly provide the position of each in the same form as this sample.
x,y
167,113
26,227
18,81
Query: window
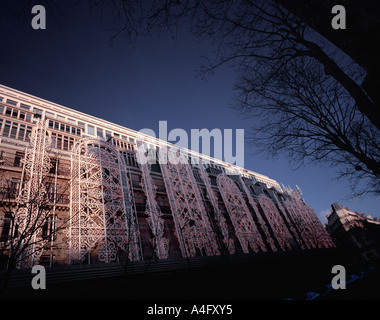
x,y
90,130
24,106
15,113
65,143
59,142
14,130
54,166
47,228
71,121
18,157
56,125
108,134
13,103
71,143
51,124
21,132
99,132
53,140
1,109
7,127
28,117
22,115
60,117
38,111
8,111
6,227
130,159
1,98
49,114
28,133
81,124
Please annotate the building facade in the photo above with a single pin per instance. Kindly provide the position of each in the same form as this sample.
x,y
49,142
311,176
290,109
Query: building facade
x,y
77,180
355,232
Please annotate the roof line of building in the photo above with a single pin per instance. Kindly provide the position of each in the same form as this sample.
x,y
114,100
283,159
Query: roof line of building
x,y
29,98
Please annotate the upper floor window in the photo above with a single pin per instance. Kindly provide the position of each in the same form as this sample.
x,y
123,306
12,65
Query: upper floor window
x,y
62,127
24,106
99,132
14,113
90,130
13,103
38,111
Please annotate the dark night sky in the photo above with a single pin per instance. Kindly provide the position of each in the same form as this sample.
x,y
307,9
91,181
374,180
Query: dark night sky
x,y
73,64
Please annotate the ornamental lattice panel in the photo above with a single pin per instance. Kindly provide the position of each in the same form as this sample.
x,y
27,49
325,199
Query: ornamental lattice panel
x,y
308,225
285,216
277,224
297,213
221,221
260,219
101,214
32,204
245,228
156,223
192,224
323,239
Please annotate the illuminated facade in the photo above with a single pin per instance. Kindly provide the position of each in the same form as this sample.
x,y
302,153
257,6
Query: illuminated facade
x,y
107,206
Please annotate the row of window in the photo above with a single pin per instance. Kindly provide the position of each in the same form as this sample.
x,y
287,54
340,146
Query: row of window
x,y
105,134
39,114
123,144
130,159
14,103
64,127
15,130
19,131
60,141
17,114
